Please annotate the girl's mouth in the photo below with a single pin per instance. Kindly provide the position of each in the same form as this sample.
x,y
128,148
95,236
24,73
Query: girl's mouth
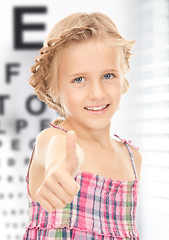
x,y
97,110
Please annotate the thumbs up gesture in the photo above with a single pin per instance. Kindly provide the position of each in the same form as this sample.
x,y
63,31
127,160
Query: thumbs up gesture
x,y
59,187
72,161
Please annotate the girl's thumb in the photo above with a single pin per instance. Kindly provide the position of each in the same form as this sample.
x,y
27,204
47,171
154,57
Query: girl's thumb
x,y
71,156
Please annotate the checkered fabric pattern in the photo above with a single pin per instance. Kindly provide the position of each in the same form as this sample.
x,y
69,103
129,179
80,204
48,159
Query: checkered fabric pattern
x,y
102,209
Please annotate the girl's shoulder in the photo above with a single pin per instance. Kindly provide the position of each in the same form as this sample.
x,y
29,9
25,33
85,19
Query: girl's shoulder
x,y
43,139
45,135
36,170
134,150
137,159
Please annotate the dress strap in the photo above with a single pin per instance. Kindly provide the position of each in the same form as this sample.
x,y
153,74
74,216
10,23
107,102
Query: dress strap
x,y
127,143
52,125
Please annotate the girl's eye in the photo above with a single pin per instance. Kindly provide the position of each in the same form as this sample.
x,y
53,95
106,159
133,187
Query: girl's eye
x,y
108,76
78,80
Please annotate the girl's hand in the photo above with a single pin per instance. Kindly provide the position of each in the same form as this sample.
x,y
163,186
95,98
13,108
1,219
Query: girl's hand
x,y
59,186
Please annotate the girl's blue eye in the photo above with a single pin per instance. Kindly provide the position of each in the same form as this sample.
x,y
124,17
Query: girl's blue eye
x,y
108,75
78,80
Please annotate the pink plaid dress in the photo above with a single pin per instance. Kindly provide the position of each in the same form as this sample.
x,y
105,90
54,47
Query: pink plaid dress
x,y
102,209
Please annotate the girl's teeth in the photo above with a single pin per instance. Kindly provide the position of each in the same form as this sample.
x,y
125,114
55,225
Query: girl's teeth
x,y
97,108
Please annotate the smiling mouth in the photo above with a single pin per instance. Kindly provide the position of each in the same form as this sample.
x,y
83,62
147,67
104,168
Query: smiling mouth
x,y
97,108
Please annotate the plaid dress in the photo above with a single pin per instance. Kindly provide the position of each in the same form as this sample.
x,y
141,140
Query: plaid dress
x,y
102,209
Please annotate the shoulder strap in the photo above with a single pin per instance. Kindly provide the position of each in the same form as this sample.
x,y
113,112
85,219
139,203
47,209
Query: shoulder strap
x,y
52,125
127,143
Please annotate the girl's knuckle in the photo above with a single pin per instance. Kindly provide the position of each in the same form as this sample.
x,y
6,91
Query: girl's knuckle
x,y
50,209
75,189
69,199
61,205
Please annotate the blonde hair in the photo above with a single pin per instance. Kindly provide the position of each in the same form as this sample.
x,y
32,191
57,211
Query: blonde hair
x,y
74,28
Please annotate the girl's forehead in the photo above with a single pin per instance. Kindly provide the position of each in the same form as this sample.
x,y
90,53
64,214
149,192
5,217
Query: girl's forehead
x,y
91,48
92,56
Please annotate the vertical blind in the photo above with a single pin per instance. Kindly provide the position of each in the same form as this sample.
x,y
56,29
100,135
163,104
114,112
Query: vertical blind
x,y
148,113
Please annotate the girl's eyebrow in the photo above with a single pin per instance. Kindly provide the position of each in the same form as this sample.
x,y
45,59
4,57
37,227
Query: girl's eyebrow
x,y
84,73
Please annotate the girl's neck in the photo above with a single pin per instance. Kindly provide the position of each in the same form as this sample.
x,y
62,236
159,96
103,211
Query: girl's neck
x,y
100,137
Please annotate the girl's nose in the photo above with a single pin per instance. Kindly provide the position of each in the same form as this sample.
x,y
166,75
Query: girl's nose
x,y
96,91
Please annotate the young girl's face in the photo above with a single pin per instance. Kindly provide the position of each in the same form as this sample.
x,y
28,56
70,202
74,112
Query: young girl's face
x,y
90,76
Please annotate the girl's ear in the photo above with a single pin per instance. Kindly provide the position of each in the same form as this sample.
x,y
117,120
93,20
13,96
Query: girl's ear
x,y
125,86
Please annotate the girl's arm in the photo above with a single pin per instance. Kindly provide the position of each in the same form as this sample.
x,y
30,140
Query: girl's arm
x,y
59,157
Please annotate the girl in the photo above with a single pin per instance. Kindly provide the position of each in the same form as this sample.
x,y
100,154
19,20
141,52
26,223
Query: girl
x,y
82,184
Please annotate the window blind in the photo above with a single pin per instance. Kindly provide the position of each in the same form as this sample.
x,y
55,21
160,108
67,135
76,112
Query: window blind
x,y
147,115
